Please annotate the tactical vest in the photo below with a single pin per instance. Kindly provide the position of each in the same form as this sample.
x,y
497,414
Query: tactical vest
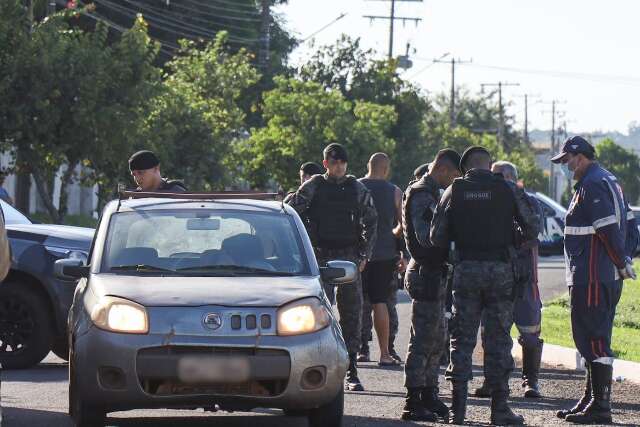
x,y
334,214
482,213
422,255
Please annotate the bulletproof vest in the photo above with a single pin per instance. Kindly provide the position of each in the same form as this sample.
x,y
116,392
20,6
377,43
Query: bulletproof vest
x,y
334,214
482,213
422,255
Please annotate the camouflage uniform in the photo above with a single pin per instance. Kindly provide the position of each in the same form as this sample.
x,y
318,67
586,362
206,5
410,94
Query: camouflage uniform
x,y
427,289
481,283
349,297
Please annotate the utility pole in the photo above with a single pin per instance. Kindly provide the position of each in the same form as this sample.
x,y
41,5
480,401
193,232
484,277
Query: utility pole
x,y
500,85
525,132
553,145
392,18
265,36
452,98
51,7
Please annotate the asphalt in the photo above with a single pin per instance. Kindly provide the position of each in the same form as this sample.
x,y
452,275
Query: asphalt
x,y
38,397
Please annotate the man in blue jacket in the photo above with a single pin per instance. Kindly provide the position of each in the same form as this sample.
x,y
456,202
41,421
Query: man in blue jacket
x,y
600,236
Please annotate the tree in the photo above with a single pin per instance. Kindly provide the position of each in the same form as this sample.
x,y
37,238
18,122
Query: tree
x,y
355,72
302,118
623,164
72,99
195,118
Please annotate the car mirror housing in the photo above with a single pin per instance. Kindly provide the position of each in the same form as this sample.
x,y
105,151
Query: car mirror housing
x,y
339,272
70,269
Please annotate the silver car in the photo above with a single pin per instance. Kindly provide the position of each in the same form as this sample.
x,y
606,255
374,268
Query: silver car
x,y
213,304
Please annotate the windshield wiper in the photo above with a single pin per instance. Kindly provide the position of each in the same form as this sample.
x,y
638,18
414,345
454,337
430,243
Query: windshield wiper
x,y
238,269
140,267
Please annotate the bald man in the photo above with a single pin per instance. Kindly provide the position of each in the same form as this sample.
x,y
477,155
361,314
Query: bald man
x,y
378,274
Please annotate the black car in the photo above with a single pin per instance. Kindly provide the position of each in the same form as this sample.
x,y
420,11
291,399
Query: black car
x,y
34,304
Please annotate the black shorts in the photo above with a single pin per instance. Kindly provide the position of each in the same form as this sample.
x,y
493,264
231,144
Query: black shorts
x,y
376,280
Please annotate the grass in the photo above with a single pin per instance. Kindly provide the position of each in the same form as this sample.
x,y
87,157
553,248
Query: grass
x,y
556,322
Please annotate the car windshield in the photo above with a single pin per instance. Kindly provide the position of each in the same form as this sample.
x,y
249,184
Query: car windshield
x,y
203,242
12,215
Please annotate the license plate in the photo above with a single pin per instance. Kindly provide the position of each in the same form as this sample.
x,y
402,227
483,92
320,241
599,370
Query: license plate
x,y
202,369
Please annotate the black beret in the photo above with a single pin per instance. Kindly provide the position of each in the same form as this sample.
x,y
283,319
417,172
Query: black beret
x,y
311,168
336,152
469,151
143,160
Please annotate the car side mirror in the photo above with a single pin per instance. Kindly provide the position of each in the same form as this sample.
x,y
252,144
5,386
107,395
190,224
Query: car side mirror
x,y
339,272
70,269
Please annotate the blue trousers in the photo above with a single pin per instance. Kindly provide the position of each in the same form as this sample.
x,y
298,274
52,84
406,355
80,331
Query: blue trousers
x,y
593,308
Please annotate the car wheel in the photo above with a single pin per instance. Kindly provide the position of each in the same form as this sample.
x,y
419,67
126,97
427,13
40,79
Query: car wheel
x,y
60,347
26,330
81,414
329,415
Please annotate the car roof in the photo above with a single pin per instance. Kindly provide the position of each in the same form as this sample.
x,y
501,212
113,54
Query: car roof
x,y
177,204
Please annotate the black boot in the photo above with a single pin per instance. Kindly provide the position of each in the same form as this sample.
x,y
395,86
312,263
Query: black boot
x,y
531,357
459,392
432,402
584,400
353,382
501,414
598,411
483,391
413,409
363,355
392,351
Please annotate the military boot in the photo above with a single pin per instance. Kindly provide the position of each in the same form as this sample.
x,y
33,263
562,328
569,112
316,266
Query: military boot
x,y
584,400
501,414
459,392
598,411
432,402
531,357
353,382
413,409
483,391
363,354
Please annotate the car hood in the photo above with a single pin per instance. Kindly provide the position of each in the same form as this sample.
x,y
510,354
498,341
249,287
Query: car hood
x,y
52,233
153,291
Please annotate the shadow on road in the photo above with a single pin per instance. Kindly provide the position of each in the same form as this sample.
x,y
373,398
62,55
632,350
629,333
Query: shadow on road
x,y
42,373
18,417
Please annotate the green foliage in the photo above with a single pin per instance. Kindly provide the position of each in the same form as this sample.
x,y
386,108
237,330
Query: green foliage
x,y
624,164
302,118
196,116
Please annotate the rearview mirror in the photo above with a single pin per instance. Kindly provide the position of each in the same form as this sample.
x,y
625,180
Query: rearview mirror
x,y
339,272
70,269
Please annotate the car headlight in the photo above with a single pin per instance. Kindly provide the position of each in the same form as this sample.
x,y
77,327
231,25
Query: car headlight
x,y
120,315
302,317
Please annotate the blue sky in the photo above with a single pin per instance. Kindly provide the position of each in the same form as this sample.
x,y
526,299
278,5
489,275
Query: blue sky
x,y
585,53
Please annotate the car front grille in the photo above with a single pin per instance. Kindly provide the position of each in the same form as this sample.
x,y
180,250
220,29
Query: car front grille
x,y
157,370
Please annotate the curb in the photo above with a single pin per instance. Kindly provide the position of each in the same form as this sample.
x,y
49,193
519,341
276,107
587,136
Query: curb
x,y
570,358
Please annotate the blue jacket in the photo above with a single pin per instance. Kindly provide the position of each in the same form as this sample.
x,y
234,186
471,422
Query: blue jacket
x,y
600,230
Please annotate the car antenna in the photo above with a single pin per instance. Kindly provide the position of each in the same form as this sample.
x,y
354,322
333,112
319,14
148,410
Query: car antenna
x,y
281,195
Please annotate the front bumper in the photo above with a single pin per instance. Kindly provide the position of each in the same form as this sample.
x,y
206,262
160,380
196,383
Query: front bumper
x,y
97,350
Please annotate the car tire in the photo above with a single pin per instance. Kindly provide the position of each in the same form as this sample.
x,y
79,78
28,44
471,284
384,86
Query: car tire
x,y
329,415
82,414
60,347
26,330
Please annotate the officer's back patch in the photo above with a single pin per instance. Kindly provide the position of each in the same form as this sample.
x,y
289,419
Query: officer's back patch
x,y
477,195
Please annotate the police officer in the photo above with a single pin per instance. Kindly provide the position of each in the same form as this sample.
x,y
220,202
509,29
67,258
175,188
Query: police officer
x,y
307,170
342,225
527,306
145,170
599,238
424,282
378,276
477,213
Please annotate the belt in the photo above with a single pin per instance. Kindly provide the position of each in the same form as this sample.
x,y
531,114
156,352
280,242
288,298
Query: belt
x,y
477,255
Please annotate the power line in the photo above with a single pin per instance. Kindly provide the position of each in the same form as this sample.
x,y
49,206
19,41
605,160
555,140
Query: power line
x,y
252,12
452,106
500,85
211,12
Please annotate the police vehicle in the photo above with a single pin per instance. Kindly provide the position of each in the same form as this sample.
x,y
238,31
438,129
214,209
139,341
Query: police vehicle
x,y
33,302
552,239
207,301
